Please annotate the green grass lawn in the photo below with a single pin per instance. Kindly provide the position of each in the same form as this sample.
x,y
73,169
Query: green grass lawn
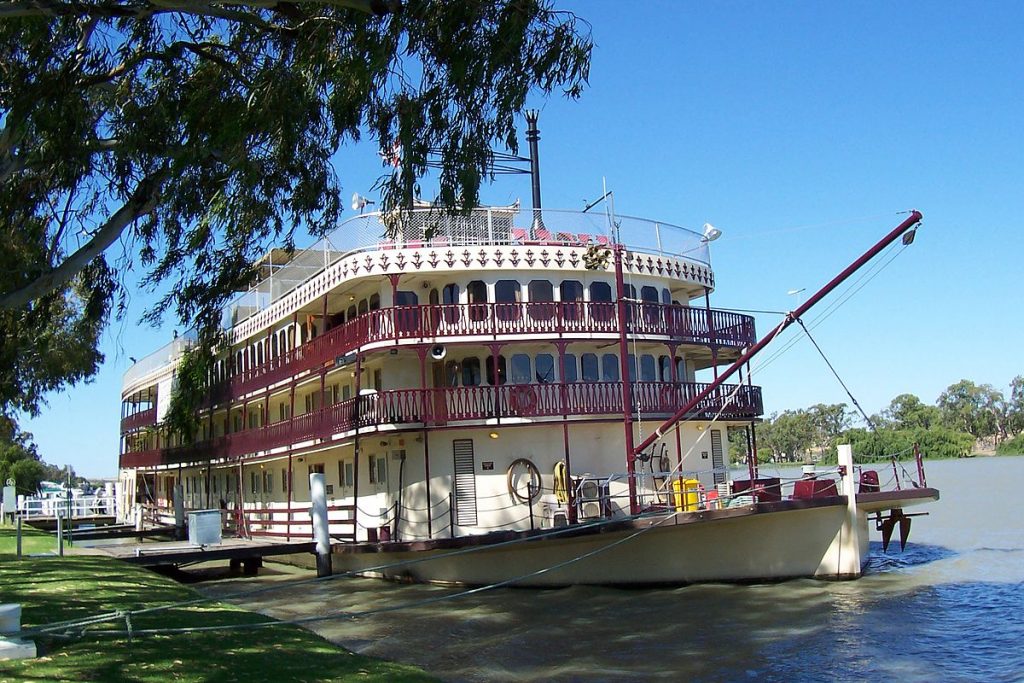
x,y
32,541
59,588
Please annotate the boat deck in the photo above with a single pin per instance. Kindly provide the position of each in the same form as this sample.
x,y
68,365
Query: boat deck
x,y
236,550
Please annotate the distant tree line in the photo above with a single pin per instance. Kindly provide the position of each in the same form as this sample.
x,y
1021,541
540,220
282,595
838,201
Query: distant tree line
x,y
20,461
965,417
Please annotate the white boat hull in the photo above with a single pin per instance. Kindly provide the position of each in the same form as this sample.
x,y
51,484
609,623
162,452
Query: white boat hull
x,y
742,544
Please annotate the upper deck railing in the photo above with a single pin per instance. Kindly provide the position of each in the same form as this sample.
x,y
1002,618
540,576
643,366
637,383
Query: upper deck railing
x,y
435,407
489,226
441,322
165,356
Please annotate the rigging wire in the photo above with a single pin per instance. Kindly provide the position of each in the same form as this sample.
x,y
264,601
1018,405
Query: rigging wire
x,y
843,298
838,378
391,608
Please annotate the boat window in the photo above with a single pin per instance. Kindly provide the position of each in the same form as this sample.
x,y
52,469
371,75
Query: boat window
x,y
434,314
521,369
450,293
476,293
610,367
407,319
666,296
363,307
648,368
545,368
631,365
541,294
506,292
347,474
588,363
600,291
601,307
649,295
259,354
665,368
374,302
500,379
273,346
471,372
506,299
571,294
681,369
450,299
451,374
351,313
571,374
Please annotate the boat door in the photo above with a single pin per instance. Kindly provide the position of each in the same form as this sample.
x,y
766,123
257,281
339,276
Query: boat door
x,y
439,396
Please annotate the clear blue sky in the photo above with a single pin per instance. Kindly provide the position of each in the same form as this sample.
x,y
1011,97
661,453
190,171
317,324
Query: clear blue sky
x,y
800,129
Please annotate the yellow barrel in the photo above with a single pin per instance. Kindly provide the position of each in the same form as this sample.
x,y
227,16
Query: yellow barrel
x,y
686,494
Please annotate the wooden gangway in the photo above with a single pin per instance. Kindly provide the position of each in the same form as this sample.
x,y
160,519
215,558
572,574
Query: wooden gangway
x,y
239,551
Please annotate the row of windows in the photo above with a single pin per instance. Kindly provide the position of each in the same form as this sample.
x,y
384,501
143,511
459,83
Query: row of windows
x,y
505,292
289,337
262,481
542,368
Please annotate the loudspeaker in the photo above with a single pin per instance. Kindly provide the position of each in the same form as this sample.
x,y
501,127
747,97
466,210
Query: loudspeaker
x,y
438,352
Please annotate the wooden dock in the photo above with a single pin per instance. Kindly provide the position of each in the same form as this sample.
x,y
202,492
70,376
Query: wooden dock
x,y
122,531
50,523
239,551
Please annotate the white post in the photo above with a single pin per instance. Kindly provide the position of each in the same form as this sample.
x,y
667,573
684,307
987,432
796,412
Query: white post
x,y
321,534
179,511
138,517
849,554
10,624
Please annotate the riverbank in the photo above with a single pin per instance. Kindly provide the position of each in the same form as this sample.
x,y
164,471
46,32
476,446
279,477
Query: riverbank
x,y
54,589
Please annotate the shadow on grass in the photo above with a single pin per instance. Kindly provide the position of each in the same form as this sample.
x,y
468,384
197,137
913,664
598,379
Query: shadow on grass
x,y
73,587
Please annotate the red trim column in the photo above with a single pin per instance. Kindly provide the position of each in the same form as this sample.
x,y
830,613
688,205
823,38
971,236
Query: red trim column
x,y
711,331
560,345
428,409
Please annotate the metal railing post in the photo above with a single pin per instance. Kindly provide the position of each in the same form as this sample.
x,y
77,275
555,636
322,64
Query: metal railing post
x,y
529,501
451,514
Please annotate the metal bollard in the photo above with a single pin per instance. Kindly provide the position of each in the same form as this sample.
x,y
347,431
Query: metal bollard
x,y
18,523
60,535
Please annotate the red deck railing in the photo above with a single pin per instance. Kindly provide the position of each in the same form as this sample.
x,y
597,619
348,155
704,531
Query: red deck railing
x,y
144,418
439,322
433,407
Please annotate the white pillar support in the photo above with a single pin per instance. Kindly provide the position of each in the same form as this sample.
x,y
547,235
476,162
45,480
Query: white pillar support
x,y
10,623
179,511
321,533
850,548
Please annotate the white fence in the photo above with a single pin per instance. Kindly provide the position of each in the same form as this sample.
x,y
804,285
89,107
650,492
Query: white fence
x,y
80,506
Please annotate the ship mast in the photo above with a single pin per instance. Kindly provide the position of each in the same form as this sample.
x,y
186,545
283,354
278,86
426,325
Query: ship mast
x,y
911,222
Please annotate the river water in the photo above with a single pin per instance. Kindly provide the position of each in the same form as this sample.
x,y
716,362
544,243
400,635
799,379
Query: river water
x,y
950,608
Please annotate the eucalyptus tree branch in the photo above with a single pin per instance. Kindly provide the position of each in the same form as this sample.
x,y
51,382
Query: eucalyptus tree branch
x,y
55,8
142,201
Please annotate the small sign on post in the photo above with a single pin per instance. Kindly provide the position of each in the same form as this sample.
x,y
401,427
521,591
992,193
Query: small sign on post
x,y
10,501
321,534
